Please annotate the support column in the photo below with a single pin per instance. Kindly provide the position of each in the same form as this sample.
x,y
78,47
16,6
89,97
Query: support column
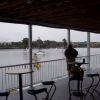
x,y
68,36
30,54
88,50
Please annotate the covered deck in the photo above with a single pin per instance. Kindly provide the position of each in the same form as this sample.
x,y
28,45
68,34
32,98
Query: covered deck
x,y
68,14
60,94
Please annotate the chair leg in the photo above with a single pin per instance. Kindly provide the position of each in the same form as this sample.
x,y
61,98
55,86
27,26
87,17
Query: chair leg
x,y
69,90
53,87
53,91
6,97
70,98
38,91
47,97
35,97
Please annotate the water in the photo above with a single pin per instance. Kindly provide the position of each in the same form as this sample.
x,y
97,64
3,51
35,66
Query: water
x,y
48,70
13,56
20,56
83,51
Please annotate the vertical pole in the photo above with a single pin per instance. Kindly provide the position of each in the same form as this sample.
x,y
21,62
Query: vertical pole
x,y
88,50
20,87
68,34
30,54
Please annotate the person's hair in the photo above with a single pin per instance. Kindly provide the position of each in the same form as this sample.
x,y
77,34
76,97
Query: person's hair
x,y
70,46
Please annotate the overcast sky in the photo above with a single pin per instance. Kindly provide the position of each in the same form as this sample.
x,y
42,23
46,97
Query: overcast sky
x,y
16,32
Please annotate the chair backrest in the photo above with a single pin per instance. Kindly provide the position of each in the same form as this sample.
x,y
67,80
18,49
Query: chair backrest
x,y
69,65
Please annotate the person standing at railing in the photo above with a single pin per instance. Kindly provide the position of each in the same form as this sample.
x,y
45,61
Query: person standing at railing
x,y
70,54
73,67
35,58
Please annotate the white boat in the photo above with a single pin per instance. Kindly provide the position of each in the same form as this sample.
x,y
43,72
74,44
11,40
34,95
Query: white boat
x,y
37,55
40,53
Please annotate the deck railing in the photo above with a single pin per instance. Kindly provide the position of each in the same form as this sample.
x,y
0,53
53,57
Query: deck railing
x,y
48,70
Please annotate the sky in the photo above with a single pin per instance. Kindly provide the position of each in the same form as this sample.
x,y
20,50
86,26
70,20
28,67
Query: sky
x,y
16,32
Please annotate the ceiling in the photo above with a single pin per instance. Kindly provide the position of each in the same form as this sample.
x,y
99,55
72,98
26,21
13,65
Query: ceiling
x,y
82,15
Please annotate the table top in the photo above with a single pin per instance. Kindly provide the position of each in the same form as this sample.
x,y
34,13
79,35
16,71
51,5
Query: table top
x,y
81,63
76,62
18,71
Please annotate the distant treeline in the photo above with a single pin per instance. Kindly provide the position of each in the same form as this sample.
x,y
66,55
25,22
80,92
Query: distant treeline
x,y
35,44
44,44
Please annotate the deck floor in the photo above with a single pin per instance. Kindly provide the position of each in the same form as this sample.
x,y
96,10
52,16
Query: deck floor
x,y
60,94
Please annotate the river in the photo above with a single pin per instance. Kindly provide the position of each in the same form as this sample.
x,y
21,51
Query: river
x,y
20,56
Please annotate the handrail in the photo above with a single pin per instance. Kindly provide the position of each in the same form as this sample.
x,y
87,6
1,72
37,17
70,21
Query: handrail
x,y
49,70
43,61
32,63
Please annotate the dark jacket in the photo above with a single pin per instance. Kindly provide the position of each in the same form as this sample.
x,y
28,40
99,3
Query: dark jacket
x,y
71,53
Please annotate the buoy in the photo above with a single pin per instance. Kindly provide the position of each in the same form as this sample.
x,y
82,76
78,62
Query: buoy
x,y
37,65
